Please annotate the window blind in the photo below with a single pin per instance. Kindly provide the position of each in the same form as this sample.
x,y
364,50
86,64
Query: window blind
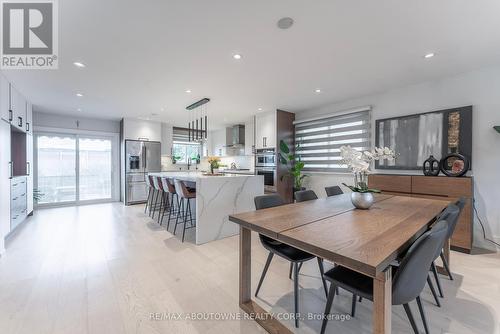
x,y
320,140
181,135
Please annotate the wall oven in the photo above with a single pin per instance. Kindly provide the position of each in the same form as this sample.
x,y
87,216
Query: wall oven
x,y
265,158
269,174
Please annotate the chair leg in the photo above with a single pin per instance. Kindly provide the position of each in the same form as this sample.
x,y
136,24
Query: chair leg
x,y
291,269
162,202
422,315
353,306
157,192
264,272
410,317
328,307
153,193
446,266
180,206
147,201
322,272
188,209
296,268
431,286
172,207
300,266
167,207
438,282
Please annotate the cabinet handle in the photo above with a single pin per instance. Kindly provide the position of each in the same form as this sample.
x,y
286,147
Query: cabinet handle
x,y
27,127
14,199
11,169
11,117
20,122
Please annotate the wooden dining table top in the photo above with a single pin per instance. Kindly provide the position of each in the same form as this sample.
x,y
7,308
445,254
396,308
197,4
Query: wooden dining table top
x,y
331,228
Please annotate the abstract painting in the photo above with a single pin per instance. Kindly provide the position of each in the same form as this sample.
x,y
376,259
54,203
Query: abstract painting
x,y
415,137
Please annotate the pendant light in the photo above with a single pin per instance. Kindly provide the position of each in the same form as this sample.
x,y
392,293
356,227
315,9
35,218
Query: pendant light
x,y
197,118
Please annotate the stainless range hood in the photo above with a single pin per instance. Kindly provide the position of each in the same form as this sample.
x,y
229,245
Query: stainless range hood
x,y
235,136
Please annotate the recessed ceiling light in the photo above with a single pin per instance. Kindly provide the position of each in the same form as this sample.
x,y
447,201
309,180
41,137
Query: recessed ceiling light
x,y
317,91
237,56
259,109
79,94
188,91
78,64
429,55
162,109
79,109
285,23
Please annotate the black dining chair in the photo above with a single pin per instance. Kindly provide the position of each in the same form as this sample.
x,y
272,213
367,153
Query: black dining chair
x,y
409,277
292,254
305,195
451,229
333,191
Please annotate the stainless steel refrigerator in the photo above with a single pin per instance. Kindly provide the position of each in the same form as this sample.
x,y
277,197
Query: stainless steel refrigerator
x,y
141,158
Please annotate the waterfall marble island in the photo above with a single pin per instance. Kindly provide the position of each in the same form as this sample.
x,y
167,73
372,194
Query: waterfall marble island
x,y
217,197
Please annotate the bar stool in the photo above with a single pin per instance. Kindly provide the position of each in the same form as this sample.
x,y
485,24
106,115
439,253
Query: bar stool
x,y
169,189
184,196
149,184
156,195
162,196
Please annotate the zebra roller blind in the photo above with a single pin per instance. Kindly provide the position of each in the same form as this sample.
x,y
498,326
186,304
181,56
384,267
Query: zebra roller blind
x,y
320,139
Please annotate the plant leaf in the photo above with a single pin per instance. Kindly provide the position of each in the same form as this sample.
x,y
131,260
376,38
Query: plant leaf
x,y
284,147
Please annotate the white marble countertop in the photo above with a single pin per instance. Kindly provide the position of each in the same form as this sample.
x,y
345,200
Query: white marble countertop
x,y
193,175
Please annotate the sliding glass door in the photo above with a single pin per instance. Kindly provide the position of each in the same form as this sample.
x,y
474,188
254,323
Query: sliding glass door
x,y
74,168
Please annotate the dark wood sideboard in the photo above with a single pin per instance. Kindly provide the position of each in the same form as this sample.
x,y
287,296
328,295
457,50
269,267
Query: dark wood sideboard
x,y
450,188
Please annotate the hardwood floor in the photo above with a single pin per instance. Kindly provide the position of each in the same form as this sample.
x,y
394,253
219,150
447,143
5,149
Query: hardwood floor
x,y
110,269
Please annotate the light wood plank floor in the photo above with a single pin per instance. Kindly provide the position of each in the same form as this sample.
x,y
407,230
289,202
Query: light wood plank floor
x,y
107,268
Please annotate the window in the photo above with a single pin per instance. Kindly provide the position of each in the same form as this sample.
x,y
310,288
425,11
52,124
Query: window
x,y
72,168
183,151
320,139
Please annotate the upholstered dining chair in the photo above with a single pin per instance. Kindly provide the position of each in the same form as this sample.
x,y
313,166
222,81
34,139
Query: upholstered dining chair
x,y
305,195
289,253
409,277
333,191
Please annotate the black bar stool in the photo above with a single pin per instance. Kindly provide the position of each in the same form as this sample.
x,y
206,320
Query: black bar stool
x,y
184,196
170,205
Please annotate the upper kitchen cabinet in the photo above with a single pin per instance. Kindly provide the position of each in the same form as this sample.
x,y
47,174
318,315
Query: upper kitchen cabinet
x,y
250,136
265,130
141,130
29,118
167,139
18,108
4,99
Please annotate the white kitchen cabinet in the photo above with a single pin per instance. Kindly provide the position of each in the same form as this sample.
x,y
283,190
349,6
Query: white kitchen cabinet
x,y
29,172
249,136
4,182
167,139
265,130
141,130
18,107
29,118
4,99
218,143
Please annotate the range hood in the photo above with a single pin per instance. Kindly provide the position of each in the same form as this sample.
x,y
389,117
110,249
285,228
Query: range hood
x,y
235,136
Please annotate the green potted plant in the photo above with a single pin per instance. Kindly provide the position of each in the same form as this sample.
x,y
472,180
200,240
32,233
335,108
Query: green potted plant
x,y
294,165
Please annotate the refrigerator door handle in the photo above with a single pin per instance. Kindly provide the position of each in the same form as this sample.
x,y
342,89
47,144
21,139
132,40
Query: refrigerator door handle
x,y
145,158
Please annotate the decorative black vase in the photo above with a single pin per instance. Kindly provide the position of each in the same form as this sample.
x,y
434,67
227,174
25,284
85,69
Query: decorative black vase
x,y
431,166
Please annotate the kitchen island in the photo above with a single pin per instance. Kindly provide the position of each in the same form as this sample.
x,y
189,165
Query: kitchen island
x,y
217,197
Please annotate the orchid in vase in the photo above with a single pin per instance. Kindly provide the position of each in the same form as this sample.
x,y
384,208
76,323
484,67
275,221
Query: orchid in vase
x,y
359,163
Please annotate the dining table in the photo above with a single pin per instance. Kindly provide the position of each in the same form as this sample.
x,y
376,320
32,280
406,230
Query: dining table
x,y
366,241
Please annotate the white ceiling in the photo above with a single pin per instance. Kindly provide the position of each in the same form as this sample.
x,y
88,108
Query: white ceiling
x,y
141,56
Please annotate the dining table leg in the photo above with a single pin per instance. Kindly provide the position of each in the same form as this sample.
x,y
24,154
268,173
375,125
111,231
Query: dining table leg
x,y
261,316
382,302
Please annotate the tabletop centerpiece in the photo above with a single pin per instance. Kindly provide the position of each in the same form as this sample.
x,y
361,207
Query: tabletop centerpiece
x,y
359,163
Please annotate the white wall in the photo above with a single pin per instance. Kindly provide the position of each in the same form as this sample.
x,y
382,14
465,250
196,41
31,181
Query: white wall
x,y
481,89
75,123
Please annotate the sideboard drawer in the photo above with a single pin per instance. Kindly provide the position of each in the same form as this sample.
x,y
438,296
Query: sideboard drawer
x,y
442,186
390,183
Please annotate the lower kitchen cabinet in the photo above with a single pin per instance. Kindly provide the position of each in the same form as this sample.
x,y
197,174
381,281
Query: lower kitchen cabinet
x,y
18,201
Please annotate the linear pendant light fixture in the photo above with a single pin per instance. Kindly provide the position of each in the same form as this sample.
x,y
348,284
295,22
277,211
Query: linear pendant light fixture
x,y
497,127
198,118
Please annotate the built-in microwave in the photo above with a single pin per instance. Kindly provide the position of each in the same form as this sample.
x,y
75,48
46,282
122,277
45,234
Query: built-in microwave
x,y
265,158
